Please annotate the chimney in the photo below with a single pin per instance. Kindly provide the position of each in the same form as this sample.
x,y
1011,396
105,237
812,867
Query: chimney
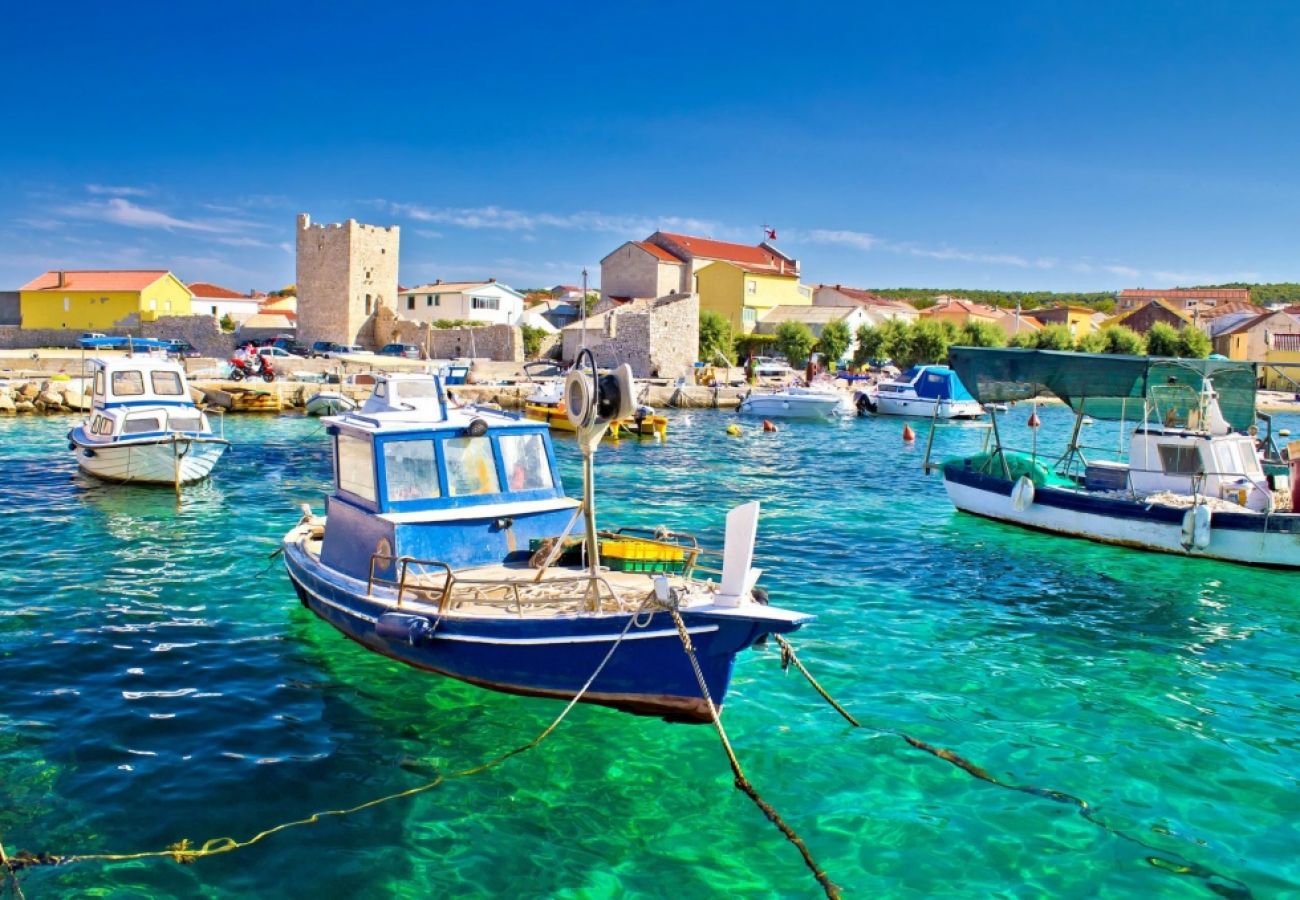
x,y
437,281
63,279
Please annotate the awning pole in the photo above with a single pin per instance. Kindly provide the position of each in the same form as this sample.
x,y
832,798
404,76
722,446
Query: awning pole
x,y
997,437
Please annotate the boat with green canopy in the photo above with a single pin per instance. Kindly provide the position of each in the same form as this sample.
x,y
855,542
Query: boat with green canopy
x,y
1191,482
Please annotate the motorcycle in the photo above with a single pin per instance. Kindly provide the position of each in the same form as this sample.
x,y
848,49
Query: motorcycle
x,y
251,368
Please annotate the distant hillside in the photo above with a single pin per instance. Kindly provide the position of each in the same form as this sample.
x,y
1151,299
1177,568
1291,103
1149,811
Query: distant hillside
x,y
1104,301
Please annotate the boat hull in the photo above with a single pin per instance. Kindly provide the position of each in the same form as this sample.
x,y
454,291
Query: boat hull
x,y
1247,538
649,672
152,461
888,405
793,406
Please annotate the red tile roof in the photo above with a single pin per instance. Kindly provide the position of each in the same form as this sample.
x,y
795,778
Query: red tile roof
x,y
1231,306
742,254
867,298
95,280
208,289
1240,294
967,306
657,251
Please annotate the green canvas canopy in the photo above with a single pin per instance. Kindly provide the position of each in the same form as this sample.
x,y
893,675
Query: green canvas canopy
x,y
1104,385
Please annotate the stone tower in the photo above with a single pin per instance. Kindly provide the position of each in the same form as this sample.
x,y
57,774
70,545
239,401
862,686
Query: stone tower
x,y
345,272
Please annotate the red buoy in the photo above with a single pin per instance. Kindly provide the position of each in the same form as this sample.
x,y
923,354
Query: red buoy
x,y
768,426
909,436
1034,421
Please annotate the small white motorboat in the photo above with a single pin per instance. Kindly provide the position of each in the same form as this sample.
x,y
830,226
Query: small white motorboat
x,y
934,392
329,403
144,427
797,403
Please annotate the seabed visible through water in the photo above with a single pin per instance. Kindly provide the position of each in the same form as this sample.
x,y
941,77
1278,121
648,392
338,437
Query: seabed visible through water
x,y
162,682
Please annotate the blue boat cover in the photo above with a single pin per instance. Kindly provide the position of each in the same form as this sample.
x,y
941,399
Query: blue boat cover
x,y
937,383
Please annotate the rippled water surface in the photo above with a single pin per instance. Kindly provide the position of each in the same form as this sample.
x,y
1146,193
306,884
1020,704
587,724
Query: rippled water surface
x,y
160,681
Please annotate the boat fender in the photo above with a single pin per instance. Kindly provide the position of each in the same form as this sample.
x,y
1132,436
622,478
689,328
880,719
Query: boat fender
x,y
1022,493
1196,528
411,630
88,453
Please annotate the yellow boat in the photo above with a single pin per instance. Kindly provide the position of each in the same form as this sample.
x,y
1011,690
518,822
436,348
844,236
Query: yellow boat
x,y
553,414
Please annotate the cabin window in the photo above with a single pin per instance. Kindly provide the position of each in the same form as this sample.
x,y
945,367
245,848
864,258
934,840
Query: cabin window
x,y
356,464
128,384
184,423
141,425
101,426
1180,460
166,384
526,465
411,470
99,383
470,466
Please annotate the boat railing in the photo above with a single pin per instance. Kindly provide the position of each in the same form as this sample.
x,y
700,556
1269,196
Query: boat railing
x,y
517,593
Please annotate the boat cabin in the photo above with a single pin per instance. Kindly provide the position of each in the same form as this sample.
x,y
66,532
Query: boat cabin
x,y
417,477
928,383
140,397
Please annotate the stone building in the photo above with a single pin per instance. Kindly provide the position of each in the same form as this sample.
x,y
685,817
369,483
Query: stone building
x,y
658,338
345,273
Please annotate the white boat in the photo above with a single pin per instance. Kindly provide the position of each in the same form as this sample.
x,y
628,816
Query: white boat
x,y
329,403
144,427
934,392
1192,483
797,403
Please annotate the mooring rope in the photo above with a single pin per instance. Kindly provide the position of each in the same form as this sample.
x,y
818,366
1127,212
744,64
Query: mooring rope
x,y
185,853
831,888
1217,882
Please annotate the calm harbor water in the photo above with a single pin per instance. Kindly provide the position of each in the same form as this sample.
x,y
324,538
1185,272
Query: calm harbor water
x,y
161,681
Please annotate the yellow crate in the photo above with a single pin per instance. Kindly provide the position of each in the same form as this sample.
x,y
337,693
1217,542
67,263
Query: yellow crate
x,y
640,550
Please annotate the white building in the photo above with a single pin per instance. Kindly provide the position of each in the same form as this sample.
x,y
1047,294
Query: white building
x,y
881,307
215,300
467,301
818,317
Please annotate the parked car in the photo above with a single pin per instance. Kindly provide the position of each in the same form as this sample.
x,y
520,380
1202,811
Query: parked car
x,y
178,347
337,350
321,349
277,353
771,367
92,339
410,351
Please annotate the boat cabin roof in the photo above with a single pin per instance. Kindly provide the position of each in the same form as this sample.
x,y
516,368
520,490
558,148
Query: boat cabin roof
x,y
138,380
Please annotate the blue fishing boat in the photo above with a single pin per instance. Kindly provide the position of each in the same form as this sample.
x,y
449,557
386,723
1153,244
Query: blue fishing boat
x,y
448,543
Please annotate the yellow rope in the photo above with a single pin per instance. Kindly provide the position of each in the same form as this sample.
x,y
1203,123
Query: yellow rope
x,y
186,853
831,889
1223,885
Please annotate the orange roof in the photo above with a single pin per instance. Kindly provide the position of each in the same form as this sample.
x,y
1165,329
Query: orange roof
x,y
657,251
95,280
1242,294
868,298
208,289
1231,306
967,306
743,254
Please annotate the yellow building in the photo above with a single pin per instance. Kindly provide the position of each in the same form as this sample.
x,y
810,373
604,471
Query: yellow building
x,y
1079,319
95,300
744,294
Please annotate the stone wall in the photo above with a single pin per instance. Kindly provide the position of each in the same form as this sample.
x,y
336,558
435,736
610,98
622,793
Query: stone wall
x,y
201,331
657,338
503,343
344,274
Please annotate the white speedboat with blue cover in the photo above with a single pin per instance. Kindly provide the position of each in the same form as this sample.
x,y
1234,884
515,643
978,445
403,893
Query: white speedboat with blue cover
x,y
448,544
935,392
1191,483
144,427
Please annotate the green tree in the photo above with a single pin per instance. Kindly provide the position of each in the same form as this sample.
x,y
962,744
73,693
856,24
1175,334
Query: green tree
x,y
927,342
1162,340
1124,340
1023,340
532,336
1093,342
870,341
980,334
227,323
795,342
715,337
1054,337
896,335
834,341
1193,343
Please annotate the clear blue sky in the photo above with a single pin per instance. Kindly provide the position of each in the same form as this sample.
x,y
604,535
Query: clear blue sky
x,y
1016,145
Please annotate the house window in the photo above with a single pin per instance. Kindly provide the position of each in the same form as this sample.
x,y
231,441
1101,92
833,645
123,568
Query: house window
x,y
804,291
749,315
751,287
214,310
153,305
367,304
67,304
410,302
485,303
167,306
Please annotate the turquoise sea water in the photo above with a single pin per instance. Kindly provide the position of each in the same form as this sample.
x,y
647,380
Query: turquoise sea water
x,y
159,681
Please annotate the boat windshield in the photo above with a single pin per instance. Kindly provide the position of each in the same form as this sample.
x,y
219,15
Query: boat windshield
x,y
128,384
526,465
419,390
471,468
411,470
166,384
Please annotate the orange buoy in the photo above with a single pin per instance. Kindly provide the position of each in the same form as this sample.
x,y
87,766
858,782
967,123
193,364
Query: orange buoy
x,y
1034,421
768,426
909,435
